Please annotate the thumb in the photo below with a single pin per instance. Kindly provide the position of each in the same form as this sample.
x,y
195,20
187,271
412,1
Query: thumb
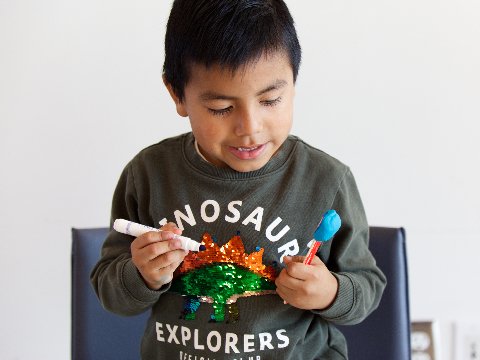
x,y
291,259
296,258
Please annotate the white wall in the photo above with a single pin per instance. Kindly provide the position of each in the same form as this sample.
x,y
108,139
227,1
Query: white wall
x,y
392,88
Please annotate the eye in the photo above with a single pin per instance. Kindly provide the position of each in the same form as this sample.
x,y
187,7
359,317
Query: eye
x,y
272,102
221,112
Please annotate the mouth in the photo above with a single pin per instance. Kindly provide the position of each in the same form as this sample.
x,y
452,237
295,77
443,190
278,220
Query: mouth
x,y
247,152
247,148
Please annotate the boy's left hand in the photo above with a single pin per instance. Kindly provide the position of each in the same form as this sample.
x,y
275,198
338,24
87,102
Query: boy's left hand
x,y
309,287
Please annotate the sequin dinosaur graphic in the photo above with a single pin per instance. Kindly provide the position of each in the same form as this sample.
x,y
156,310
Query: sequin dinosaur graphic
x,y
221,275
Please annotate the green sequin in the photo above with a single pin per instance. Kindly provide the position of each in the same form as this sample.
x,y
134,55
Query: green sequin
x,y
222,283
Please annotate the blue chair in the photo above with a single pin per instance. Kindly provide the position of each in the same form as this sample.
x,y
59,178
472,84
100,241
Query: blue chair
x,y
98,334
385,334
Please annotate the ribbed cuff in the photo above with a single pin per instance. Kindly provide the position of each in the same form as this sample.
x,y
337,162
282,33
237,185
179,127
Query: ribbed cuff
x,y
137,288
344,301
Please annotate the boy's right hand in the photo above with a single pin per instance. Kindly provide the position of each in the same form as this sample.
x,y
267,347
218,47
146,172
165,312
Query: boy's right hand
x,y
156,255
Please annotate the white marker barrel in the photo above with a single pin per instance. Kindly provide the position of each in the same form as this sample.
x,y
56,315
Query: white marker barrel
x,y
134,229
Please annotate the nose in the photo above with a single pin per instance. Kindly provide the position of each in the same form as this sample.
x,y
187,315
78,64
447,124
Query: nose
x,y
248,122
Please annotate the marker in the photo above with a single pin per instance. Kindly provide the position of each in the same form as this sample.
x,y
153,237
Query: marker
x,y
134,229
329,225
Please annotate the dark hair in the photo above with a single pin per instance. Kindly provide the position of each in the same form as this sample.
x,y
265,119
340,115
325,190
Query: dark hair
x,y
230,33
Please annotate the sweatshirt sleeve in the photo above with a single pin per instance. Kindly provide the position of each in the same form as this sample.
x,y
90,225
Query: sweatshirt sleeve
x,y
361,282
116,280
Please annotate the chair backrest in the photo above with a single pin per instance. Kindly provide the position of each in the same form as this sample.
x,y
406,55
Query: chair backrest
x,y
98,334
385,334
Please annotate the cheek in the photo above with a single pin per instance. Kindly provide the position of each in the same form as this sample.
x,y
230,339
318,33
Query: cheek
x,y
283,115
205,131
281,123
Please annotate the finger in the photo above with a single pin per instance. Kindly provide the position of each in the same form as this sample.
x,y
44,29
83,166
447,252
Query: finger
x,y
287,283
169,260
283,293
157,278
156,249
153,271
300,259
171,226
164,279
150,238
295,292
297,258
316,261
282,290
286,293
297,269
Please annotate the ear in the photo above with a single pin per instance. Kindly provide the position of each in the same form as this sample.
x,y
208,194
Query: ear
x,y
181,110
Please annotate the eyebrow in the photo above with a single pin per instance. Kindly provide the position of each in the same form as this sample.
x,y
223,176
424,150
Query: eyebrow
x,y
211,95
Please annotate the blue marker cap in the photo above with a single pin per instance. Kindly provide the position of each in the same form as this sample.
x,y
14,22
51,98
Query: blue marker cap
x,y
328,226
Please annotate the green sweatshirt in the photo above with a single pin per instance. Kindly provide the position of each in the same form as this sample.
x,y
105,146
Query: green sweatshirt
x,y
222,303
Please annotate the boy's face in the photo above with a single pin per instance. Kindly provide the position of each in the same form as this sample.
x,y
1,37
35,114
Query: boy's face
x,y
240,119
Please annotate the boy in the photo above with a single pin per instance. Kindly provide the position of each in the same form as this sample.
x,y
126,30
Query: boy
x,y
252,193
